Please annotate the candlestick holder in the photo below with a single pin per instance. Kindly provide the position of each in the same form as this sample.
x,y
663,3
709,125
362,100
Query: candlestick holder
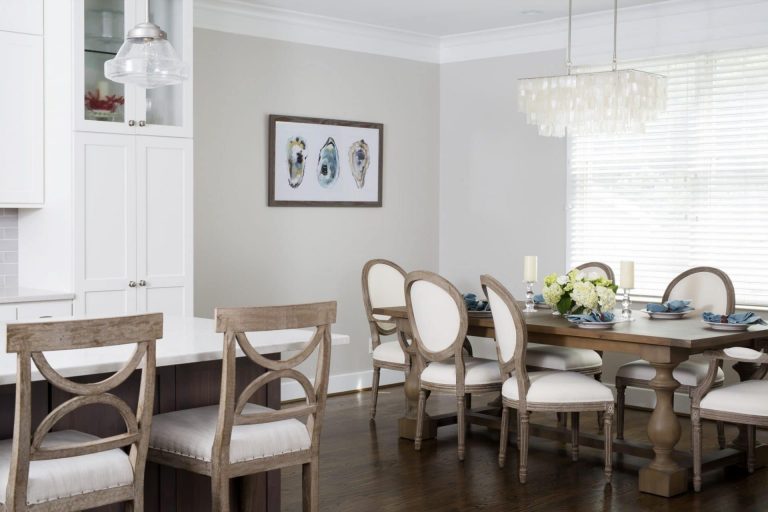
x,y
626,311
529,297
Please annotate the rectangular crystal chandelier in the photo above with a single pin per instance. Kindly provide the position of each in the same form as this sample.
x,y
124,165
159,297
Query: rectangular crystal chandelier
x,y
604,102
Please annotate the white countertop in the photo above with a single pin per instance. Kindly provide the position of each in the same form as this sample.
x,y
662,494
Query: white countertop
x,y
185,340
13,295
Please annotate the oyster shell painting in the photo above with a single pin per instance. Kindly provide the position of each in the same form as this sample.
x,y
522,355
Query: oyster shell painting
x,y
328,164
359,160
296,160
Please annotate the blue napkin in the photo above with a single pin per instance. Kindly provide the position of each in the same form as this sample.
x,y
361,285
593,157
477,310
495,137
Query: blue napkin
x,y
538,298
747,317
470,300
591,317
671,306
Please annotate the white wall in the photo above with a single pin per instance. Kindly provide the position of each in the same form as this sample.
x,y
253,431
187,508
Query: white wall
x,y
249,254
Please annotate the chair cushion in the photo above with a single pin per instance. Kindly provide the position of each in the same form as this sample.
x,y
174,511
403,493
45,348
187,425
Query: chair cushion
x,y
687,373
71,476
478,371
389,352
748,397
190,432
559,387
561,358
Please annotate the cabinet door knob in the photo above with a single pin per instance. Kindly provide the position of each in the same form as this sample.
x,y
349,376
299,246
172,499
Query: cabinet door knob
x,y
142,123
131,123
132,284
142,283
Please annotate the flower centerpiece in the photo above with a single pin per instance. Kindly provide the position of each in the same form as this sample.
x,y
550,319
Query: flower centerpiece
x,y
578,293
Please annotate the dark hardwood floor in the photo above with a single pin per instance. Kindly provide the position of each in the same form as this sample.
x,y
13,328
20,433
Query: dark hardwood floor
x,y
365,467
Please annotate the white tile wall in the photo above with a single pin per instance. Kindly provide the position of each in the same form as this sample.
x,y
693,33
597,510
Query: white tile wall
x,y
9,247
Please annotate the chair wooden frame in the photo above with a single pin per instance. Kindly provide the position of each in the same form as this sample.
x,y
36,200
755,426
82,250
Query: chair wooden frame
x,y
602,266
698,414
29,341
234,323
455,351
516,368
622,382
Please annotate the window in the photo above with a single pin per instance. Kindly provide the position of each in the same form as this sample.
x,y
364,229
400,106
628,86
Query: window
x,y
692,190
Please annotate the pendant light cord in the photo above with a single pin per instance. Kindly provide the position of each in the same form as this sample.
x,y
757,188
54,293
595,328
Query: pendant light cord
x,y
147,20
568,56
615,30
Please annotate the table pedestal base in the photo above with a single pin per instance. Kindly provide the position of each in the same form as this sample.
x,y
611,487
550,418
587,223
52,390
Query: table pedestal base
x,y
664,483
407,428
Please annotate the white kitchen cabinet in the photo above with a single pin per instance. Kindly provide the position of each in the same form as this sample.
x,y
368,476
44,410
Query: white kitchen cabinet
x,y
99,30
133,224
48,309
22,16
21,120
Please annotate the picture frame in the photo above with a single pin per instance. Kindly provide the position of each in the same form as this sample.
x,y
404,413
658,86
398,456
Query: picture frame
x,y
324,162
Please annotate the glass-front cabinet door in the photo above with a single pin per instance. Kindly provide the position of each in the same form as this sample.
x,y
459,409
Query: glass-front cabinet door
x,y
102,105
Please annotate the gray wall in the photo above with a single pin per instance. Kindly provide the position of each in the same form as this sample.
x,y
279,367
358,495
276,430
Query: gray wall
x,y
249,254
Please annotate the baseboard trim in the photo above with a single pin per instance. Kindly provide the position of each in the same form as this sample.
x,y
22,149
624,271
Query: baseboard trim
x,y
344,383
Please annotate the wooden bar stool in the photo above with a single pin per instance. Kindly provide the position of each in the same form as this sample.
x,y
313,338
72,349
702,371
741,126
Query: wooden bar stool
x,y
70,470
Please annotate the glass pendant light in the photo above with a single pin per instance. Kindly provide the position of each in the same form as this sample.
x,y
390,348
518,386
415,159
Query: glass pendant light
x,y
146,59
604,102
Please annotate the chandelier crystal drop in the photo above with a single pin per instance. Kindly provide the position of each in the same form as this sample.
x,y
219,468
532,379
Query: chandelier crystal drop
x,y
619,101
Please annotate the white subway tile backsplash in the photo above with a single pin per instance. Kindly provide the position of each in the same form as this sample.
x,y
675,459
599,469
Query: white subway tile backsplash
x,y
9,247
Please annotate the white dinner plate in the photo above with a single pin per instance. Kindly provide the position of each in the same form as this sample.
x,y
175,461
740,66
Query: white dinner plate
x,y
717,326
667,315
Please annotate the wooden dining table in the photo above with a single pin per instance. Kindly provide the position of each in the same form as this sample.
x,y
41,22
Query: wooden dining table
x,y
663,343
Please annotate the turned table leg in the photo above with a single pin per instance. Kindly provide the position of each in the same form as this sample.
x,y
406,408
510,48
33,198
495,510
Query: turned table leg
x,y
663,476
407,424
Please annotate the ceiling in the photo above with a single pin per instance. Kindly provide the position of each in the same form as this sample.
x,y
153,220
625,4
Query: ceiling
x,y
444,17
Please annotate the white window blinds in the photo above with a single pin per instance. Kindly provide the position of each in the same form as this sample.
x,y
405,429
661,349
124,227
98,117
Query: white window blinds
x,y
692,190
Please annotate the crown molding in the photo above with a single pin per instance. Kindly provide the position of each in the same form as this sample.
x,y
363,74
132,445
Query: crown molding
x,y
245,18
664,28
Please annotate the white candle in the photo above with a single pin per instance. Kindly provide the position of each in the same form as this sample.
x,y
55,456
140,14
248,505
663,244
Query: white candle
x,y
529,269
627,276
103,88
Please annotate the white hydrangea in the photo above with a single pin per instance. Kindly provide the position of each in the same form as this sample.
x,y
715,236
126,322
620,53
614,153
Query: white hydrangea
x,y
562,280
606,298
552,294
584,294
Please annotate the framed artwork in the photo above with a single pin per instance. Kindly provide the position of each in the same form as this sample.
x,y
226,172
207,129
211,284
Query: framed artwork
x,y
324,162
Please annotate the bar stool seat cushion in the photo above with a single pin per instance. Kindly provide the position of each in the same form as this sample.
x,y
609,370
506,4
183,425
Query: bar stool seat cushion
x,y
389,352
478,372
746,397
559,387
687,373
190,432
552,357
72,476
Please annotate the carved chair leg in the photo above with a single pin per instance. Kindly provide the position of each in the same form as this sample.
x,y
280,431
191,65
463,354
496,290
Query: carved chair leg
x,y
461,415
503,436
219,493
696,438
751,448
607,432
721,435
523,471
620,396
600,414
574,436
311,486
375,391
420,418
137,505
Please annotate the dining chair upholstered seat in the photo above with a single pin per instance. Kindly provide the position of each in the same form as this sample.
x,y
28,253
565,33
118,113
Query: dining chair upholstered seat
x,y
687,373
551,357
390,352
72,476
190,433
748,397
478,372
558,387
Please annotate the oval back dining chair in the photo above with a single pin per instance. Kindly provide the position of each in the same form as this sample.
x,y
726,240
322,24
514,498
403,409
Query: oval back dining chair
x,y
709,289
383,286
236,437
68,470
553,391
438,318
602,269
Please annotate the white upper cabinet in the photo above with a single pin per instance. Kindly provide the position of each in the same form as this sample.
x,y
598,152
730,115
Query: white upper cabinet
x,y
102,105
22,16
21,119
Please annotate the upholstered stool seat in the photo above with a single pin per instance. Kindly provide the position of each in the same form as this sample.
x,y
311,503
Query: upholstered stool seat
x,y
190,433
478,372
687,373
552,357
389,352
72,476
555,387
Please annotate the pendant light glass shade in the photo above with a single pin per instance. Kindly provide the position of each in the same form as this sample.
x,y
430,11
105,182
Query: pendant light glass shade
x,y
146,59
